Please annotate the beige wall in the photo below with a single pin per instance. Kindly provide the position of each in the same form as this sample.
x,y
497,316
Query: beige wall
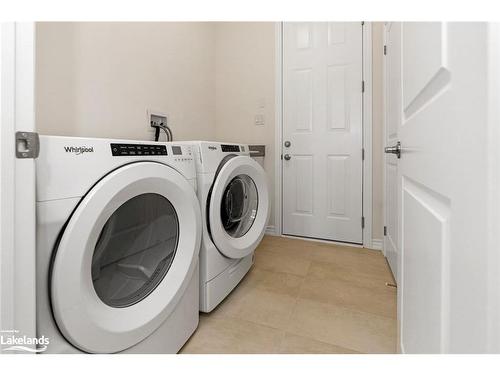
x,y
99,79
245,87
378,129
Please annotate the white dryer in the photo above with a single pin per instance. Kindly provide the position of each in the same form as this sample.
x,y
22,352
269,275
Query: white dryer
x,y
234,200
118,238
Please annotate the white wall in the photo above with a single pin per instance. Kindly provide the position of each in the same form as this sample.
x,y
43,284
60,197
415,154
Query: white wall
x,y
245,87
98,79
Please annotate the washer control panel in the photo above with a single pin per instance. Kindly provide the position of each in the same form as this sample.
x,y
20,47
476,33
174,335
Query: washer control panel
x,y
128,149
176,150
182,153
230,148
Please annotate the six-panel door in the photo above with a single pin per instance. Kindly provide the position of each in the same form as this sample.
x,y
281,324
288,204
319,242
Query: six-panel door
x,y
322,168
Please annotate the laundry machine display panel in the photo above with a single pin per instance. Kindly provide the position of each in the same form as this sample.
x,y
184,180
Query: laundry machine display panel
x,y
230,148
125,149
176,150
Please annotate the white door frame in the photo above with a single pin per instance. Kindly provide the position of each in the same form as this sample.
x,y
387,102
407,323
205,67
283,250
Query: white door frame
x,y
367,134
493,345
384,133
17,180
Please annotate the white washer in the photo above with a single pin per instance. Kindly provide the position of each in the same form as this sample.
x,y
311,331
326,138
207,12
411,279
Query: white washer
x,y
118,238
234,200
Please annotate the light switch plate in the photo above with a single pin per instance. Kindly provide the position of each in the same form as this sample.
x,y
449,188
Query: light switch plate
x,y
259,120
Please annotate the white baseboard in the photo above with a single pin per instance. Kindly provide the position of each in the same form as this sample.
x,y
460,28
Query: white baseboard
x,y
377,244
271,230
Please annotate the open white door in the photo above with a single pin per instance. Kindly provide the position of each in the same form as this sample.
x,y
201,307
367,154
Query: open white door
x,y
446,300
17,186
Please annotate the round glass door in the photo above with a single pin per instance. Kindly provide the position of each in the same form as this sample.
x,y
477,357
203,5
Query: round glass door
x,y
123,263
135,250
239,206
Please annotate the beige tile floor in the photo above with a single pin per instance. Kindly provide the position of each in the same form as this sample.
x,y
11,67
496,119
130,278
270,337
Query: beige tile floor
x,y
304,297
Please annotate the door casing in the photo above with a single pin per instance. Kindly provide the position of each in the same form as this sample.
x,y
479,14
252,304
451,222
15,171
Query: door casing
x,y
17,180
387,158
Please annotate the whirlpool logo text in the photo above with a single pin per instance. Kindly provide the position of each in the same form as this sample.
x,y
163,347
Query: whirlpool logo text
x,y
78,150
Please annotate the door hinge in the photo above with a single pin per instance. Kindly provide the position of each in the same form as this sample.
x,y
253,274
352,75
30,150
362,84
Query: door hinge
x,y
362,222
362,23
385,49
362,154
385,230
362,86
27,145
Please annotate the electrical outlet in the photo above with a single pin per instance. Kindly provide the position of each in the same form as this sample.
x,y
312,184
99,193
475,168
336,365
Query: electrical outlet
x,y
155,117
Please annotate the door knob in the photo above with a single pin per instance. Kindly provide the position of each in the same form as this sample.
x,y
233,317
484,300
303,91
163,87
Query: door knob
x,y
394,150
287,144
287,157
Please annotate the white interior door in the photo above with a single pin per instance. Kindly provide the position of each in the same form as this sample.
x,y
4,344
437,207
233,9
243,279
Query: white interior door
x,y
443,185
17,184
322,130
392,115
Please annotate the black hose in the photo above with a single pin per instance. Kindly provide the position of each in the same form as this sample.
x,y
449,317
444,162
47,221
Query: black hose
x,y
166,129
157,133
